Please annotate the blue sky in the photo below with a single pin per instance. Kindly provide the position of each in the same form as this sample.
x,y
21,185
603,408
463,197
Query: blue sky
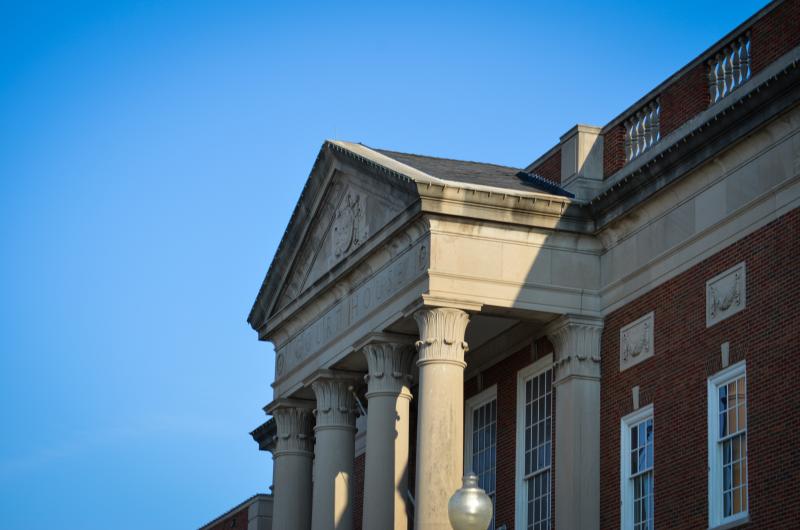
x,y
150,157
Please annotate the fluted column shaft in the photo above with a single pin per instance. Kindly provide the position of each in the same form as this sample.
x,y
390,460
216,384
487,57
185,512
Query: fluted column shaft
x,y
334,451
576,341
292,464
386,471
440,421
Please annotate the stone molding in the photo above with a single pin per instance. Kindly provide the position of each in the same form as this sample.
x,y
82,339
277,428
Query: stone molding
x,y
441,333
336,406
294,421
576,341
394,266
390,365
266,436
636,341
288,321
726,294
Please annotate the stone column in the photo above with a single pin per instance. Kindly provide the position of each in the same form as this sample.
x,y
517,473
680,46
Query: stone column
x,y
334,451
576,380
386,471
292,463
440,422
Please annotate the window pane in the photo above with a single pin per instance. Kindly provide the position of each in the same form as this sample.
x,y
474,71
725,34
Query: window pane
x,y
732,450
484,442
537,450
642,440
742,414
723,397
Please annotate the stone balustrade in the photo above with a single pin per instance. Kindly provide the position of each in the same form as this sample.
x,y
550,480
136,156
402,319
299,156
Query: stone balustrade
x,y
642,129
729,68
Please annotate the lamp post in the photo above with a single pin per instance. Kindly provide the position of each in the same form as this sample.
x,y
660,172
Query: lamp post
x,y
470,508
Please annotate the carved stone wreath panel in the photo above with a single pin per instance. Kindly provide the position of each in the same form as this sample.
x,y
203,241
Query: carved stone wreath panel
x,y
726,294
636,341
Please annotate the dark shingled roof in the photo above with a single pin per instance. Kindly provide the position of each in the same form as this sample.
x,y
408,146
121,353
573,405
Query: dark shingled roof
x,y
476,173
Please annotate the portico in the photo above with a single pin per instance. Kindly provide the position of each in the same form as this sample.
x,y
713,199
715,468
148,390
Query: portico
x,y
396,274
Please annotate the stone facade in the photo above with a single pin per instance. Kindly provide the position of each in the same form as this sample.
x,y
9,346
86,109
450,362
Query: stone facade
x,y
595,283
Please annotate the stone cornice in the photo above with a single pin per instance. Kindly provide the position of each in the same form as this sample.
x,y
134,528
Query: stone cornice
x,y
390,365
294,426
576,341
441,333
506,206
293,318
266,436
765,96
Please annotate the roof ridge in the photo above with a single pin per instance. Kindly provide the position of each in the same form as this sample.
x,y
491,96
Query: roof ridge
x,y
438,157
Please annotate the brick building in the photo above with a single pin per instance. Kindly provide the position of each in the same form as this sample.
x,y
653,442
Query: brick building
x,y
254,513
607,337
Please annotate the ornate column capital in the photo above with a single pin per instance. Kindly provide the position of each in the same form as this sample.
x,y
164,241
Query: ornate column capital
x,y
390,365
294,423
576,341
441,334
336,407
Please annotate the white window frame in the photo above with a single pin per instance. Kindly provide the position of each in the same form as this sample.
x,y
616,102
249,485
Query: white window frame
x,y
715,518
470,405
625,487
521,502
475,402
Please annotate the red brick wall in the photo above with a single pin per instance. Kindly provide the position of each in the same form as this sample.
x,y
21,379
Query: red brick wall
x,y
775,34
766,334
358,490
772,36
613,150
550,168
504,375
236,520
686,97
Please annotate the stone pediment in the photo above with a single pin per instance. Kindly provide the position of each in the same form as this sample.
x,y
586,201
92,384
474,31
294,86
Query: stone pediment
x,y
353,205
347,218
354,200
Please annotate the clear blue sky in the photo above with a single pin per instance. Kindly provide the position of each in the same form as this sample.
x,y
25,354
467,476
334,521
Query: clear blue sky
x,y
150,156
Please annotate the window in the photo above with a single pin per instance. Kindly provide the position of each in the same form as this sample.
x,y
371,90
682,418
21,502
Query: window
x,y
480,451
636,470
534,451
727,446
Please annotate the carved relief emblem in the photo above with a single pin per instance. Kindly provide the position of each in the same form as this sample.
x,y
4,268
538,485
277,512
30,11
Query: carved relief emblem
x,y
633,347
349,223
723,302
636,341
279,365
725,294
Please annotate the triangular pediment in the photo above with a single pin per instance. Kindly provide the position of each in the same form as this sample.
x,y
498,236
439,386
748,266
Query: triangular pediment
x,y
350,214
354,202
348,205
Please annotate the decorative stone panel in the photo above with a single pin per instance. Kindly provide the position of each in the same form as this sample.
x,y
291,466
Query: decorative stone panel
x,y
636,341
726,294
